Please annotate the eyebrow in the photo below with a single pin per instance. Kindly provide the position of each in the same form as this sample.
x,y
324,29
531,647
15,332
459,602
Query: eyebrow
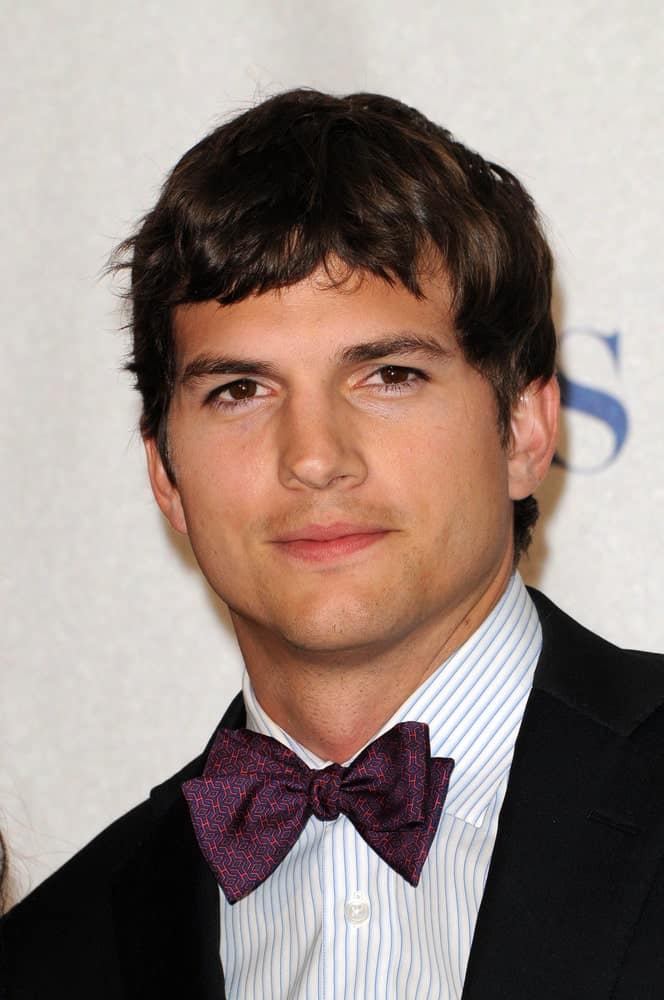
x,y
399,345
214,364
396,345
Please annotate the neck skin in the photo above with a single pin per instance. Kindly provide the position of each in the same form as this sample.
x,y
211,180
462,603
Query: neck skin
x,y
334,703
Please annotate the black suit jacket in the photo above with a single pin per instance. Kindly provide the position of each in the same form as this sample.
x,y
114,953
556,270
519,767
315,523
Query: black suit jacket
x,y
574,902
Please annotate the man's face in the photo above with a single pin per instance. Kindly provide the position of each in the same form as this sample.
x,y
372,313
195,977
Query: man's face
x,y
338,464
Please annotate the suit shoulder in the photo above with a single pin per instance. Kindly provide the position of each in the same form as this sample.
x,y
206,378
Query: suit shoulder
x,y
66,921
86,875
620,688
84,882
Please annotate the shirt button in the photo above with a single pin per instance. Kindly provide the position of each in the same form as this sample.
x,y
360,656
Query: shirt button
x,y
357,909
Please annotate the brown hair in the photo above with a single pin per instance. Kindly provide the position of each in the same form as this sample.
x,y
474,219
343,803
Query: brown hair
x,y
4,891
306,178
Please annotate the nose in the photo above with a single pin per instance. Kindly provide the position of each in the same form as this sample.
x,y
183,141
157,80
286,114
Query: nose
x,y
319,446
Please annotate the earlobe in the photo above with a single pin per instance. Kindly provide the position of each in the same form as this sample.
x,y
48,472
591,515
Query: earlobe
x,y
534,429
165,491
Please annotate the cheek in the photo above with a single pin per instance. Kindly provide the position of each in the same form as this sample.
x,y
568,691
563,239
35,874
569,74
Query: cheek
x,y
219,477
458,479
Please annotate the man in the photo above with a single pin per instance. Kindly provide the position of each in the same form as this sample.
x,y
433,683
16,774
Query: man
x,y
343,343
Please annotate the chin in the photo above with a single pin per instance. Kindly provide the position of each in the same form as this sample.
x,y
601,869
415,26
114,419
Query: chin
x,y
342,631
328,644
321,620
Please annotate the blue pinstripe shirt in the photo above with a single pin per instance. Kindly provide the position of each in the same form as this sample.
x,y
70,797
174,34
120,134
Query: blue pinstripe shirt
x,y
334,922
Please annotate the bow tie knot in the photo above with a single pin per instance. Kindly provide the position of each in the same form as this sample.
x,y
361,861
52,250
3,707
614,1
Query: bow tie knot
x,y
325,792
255,797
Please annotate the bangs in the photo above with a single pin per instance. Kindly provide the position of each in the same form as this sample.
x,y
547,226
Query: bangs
x,y
252,217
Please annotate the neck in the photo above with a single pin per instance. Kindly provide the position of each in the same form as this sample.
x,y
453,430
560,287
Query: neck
x,y
334,703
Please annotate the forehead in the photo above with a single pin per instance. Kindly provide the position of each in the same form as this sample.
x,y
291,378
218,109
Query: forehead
x,y
315,317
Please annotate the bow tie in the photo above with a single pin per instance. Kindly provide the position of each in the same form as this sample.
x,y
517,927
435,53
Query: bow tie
x,y
255,797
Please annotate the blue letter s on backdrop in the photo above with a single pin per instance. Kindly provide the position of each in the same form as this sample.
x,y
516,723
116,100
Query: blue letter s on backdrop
x,y
595,402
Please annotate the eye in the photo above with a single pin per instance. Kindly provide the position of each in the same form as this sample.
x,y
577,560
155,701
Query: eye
x,y
236,393
396,378
244,388
395,374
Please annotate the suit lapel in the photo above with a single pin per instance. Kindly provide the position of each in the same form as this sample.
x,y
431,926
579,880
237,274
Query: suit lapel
x,y
166,902
580,833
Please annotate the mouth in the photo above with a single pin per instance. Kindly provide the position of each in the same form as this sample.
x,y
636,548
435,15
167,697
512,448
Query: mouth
x,y
319,543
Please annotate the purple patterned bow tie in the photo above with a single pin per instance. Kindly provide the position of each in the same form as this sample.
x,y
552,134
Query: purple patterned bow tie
x,y
256,795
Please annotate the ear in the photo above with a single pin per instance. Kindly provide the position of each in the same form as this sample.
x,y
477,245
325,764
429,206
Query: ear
x,y
165,492
534,429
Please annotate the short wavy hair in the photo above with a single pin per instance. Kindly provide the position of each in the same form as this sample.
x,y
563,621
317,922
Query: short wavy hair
x,y
305,178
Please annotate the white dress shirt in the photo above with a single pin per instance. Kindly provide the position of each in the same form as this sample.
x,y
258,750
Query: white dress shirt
x,y
334,921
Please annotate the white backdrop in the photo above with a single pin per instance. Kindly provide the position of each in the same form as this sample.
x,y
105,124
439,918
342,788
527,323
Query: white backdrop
x,y
117,661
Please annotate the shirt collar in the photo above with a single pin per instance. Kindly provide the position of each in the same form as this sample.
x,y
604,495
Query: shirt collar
x,y
473,704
